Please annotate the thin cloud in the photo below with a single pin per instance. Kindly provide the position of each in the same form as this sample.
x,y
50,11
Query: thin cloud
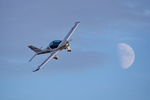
x,y
79,60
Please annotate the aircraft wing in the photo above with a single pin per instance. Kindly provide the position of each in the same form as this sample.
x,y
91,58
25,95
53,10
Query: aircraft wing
x,y
68,36
54,53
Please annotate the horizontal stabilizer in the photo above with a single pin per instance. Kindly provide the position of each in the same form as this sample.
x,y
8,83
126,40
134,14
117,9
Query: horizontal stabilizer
x,y
32,57
35,49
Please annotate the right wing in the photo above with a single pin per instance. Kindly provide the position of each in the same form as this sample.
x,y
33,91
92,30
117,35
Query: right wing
x,y
54,53
68,36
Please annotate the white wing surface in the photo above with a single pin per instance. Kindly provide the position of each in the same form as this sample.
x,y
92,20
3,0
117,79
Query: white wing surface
x,y
54,53
68,36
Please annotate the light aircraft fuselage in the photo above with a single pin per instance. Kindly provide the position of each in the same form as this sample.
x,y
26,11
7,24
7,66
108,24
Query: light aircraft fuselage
x,y
54,47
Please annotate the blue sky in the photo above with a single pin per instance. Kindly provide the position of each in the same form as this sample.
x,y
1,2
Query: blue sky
x,y
92,70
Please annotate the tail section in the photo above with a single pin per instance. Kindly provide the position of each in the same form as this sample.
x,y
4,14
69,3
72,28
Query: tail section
x,y
35,49
32,57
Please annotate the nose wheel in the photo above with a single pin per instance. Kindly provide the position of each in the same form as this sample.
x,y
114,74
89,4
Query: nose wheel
x,y
55,57
69,50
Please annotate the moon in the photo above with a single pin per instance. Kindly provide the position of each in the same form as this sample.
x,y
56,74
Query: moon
x,y
126,55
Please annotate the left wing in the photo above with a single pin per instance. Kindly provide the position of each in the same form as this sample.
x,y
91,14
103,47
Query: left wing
x,y
47,60
68,36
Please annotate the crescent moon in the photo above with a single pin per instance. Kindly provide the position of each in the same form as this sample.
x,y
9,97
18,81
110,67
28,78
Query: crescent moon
x,y
126,55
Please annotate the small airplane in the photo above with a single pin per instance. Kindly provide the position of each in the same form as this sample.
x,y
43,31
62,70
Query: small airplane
x,y
54,47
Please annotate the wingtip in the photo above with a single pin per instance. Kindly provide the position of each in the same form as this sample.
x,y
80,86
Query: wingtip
x,y
29,46
36,70
77,22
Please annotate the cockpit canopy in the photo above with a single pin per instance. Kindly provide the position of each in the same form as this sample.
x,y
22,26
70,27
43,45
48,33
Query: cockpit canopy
x,y
54,44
